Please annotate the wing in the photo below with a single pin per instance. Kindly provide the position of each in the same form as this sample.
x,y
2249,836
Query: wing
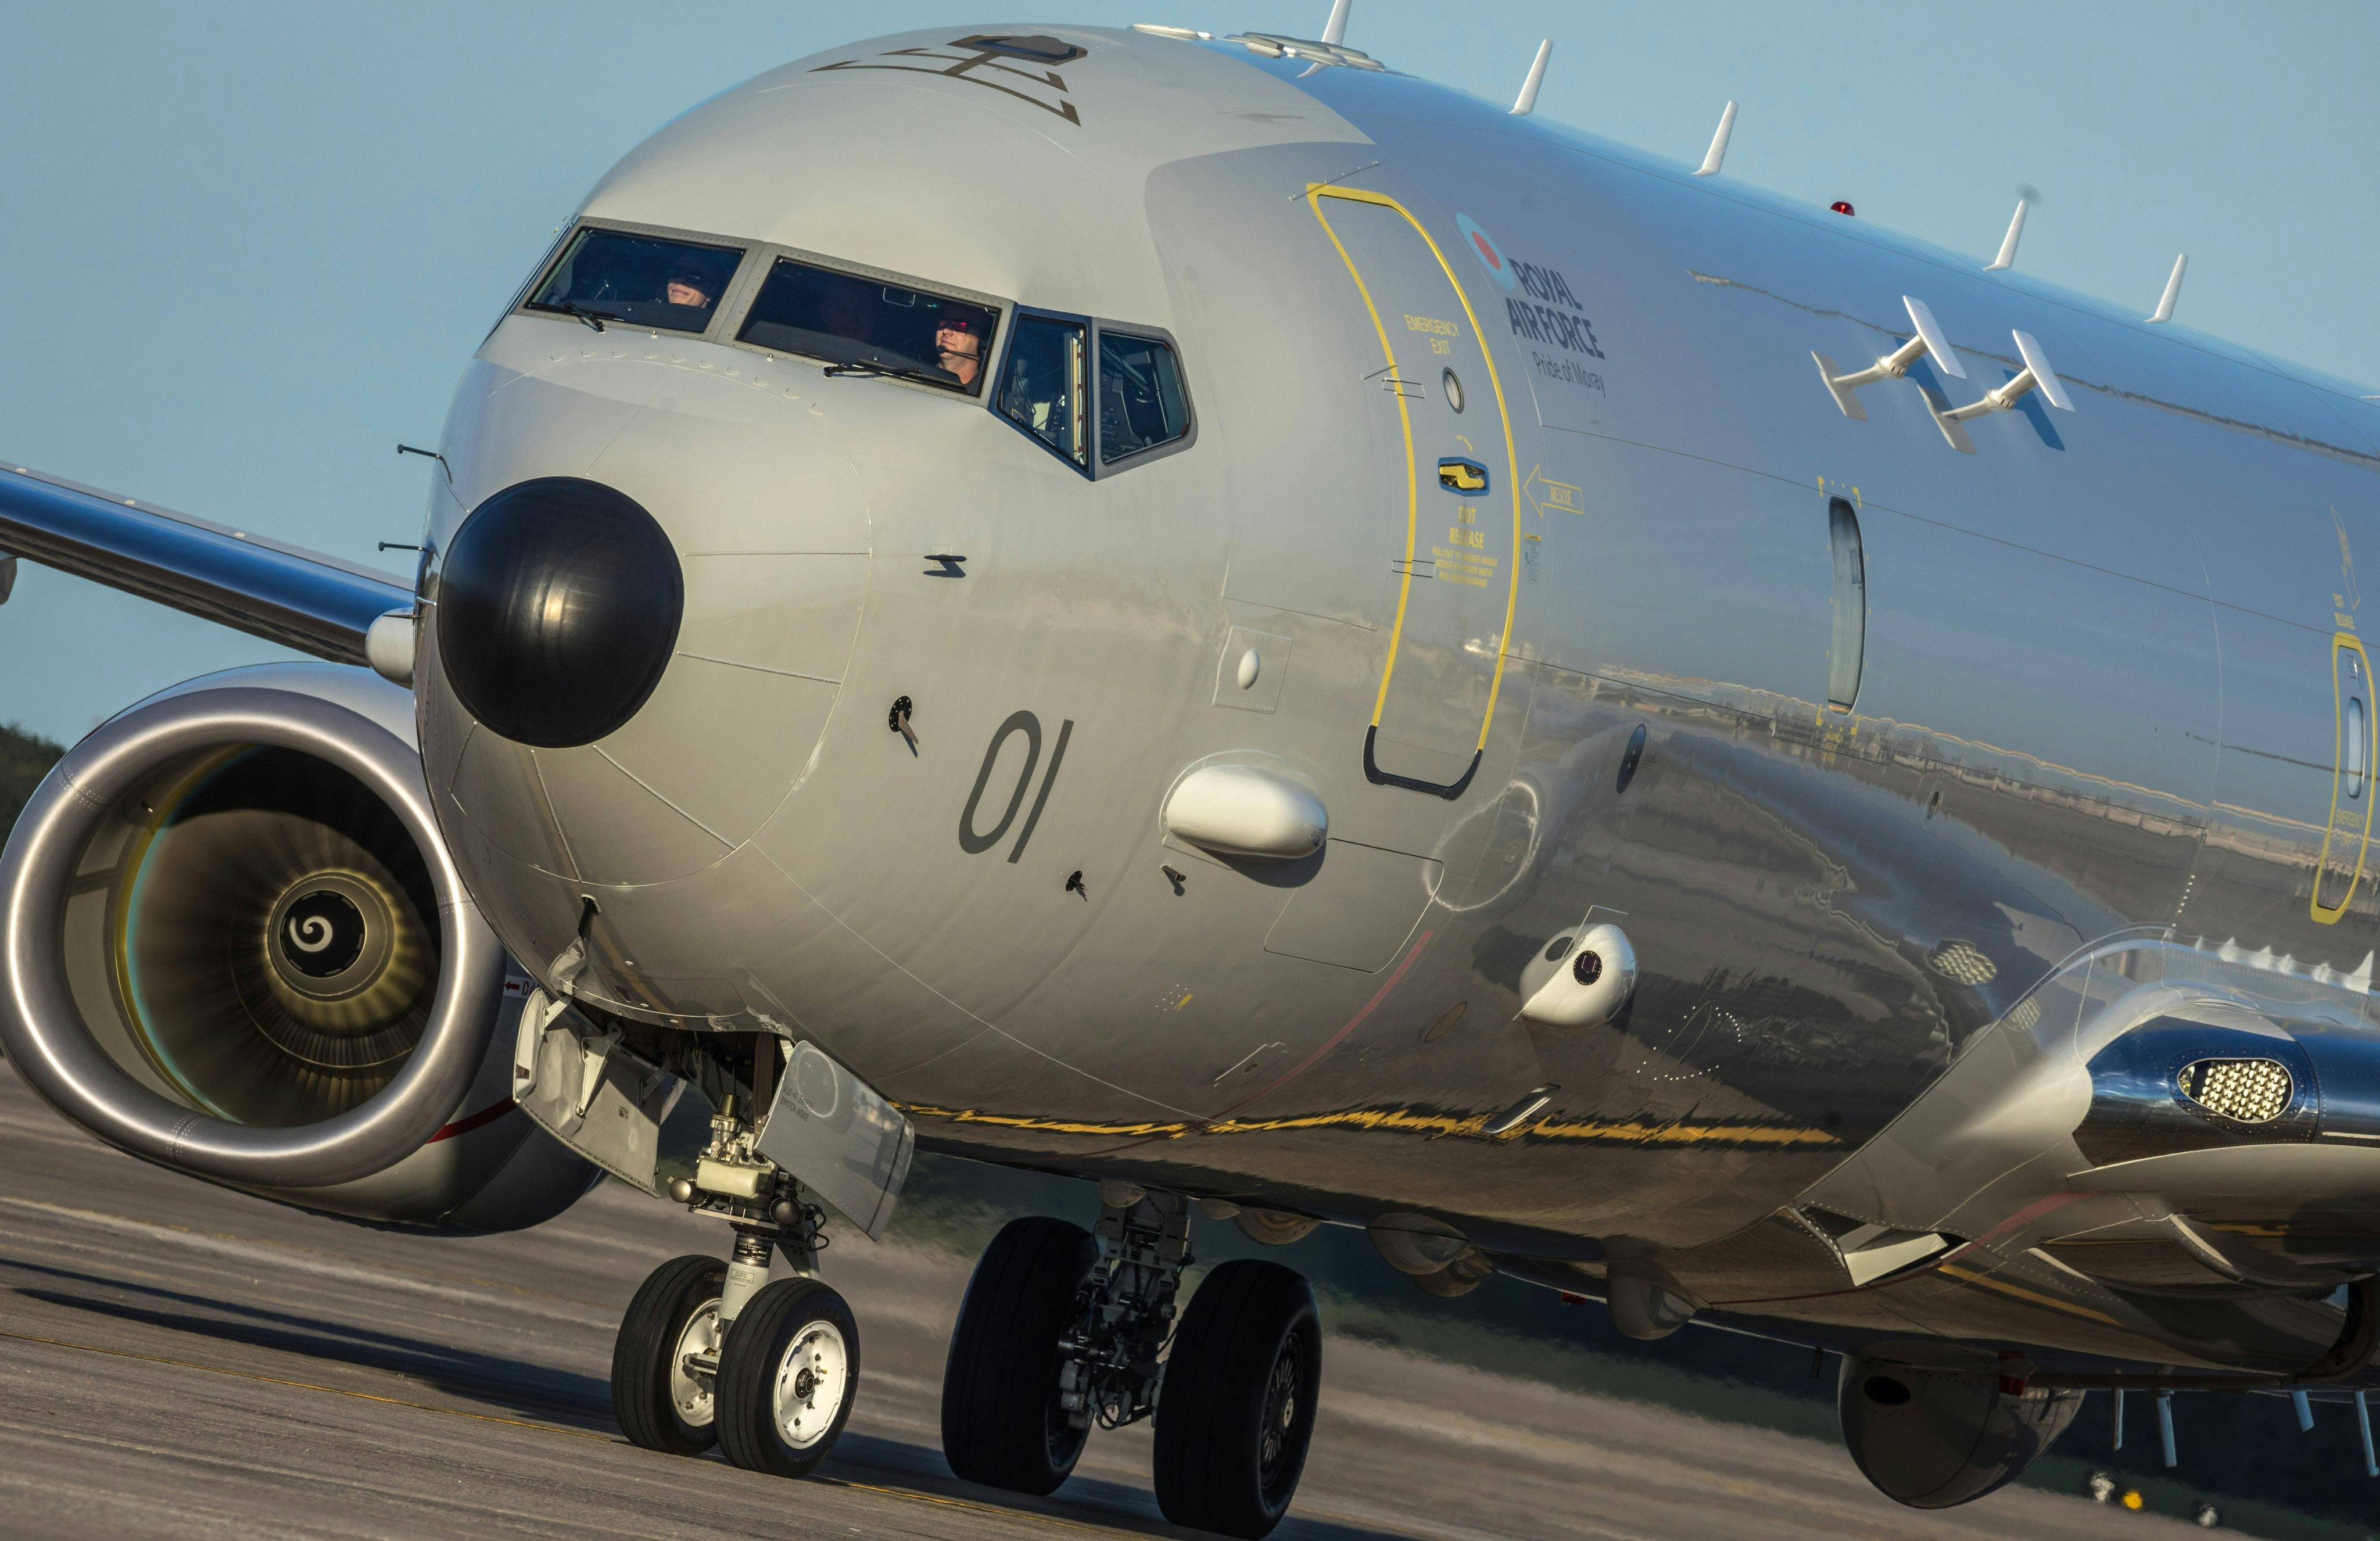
x,y
316,604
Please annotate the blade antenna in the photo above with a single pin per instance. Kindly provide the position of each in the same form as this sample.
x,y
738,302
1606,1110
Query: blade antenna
x,y
1334,32
1718,151
2007,259
2172,291
1526,103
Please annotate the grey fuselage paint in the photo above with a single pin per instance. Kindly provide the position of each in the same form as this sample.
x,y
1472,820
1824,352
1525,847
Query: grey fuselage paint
x,y
2097,693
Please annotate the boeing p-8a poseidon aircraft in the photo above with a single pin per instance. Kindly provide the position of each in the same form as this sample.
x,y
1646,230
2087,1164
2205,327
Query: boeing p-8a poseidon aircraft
x,y
1200,612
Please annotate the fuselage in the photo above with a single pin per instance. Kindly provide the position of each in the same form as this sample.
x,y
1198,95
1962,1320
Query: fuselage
x,y
1919,722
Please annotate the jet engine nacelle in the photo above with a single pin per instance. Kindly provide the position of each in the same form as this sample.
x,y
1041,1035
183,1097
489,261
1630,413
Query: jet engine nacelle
x,y
232,943
1933,1425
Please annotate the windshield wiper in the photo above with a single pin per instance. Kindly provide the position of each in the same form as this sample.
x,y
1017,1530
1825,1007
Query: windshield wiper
x,y
588,317
863,369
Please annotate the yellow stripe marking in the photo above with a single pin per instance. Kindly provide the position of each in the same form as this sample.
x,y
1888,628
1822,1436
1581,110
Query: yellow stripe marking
x,y
1399,1121
1315,193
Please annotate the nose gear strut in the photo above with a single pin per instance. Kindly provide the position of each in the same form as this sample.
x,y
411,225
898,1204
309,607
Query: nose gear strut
x,y
774,1397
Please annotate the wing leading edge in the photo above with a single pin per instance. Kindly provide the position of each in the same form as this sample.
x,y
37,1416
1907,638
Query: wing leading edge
x,y
316,604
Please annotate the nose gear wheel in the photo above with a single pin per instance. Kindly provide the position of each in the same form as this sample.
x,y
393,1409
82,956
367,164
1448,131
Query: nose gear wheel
x,y
664,1364
788,1375
694,1366
812,1377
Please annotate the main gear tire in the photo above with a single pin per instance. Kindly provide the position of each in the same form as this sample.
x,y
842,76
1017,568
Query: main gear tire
x,y
1002,1422
662,1401
1235,1415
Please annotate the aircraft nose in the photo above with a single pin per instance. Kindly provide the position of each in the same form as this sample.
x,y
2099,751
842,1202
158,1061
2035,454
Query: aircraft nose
x,y
558,604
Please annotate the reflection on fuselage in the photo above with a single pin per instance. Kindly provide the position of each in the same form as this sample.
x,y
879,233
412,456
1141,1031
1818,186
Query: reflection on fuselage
x,y
1859,737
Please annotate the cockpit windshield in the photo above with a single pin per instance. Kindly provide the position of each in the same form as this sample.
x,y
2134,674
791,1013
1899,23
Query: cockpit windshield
x,y
868,324
610,275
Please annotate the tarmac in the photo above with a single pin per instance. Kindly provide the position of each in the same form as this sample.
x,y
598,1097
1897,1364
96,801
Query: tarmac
x,y
181,1360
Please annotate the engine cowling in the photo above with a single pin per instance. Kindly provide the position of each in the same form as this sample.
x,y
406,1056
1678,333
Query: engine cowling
x,y
232,943
1933,1425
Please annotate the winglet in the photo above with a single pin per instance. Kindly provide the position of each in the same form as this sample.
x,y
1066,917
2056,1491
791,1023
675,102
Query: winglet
x,y
1334,30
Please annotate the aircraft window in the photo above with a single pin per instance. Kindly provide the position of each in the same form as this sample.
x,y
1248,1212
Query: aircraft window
x,y
610,275
846,319
1141,404
1041,389
2356,734
1847,655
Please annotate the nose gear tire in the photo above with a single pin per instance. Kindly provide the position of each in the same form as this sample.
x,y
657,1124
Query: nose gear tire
x,y
1237,1410
788,1376
1002,1422
649,1385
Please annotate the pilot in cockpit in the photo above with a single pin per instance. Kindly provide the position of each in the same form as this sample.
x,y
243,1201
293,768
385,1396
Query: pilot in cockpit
x,y
959,348
688,288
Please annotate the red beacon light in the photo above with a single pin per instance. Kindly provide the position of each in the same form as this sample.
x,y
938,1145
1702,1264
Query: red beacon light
x,y
1840,207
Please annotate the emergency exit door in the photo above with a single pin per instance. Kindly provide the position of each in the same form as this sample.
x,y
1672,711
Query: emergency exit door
x,y
1445,483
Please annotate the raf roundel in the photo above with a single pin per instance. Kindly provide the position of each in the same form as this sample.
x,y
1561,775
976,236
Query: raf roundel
x,y
1483,246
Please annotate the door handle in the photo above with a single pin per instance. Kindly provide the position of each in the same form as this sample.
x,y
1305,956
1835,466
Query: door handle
x,y
1457,475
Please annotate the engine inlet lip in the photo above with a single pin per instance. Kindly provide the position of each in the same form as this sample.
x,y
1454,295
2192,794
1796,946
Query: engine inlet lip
x,y
40,1027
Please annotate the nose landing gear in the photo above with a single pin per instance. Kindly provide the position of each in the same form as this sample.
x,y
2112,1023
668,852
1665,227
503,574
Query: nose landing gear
x,y
715,1353
1062,1329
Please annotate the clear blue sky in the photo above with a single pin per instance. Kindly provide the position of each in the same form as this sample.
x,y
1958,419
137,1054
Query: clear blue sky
x,y
246,248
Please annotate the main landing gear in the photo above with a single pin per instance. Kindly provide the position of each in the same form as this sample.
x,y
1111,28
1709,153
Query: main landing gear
x,y
711,1352
1062,1329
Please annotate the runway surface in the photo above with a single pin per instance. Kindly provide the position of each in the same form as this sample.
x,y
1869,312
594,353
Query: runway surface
x,y
176,1360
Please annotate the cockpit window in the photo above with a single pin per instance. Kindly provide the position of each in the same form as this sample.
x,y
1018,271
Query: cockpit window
x,y
610,275
1043,388
864,323
1141,404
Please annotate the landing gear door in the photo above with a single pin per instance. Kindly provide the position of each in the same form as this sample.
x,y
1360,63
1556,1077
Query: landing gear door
x,y
1447,496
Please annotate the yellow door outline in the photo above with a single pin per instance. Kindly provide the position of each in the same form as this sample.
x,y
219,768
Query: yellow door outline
x,y
1315,194
2342,643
